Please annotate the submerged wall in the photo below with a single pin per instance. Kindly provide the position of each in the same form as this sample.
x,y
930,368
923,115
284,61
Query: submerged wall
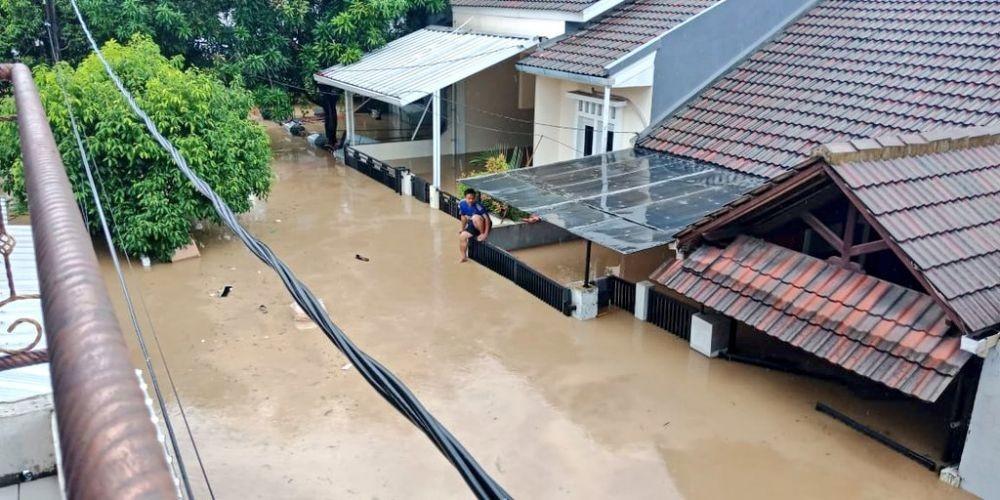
x,y
980,467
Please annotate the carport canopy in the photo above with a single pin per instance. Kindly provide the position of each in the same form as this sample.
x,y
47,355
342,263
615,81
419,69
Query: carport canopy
x,y
627,201
414,66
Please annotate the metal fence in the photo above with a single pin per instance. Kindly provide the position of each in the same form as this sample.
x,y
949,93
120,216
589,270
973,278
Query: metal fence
x,y
621,293
421,189
448,204
670,314
535,283
385,174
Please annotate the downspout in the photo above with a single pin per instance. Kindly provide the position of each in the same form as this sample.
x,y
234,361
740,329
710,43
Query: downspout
x,y
107,440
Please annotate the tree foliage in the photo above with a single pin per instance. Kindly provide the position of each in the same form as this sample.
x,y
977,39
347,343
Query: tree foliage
x,y
258,41
151,204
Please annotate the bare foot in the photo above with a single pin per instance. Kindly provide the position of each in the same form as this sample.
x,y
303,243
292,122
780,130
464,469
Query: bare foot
x,y
464,259
481,237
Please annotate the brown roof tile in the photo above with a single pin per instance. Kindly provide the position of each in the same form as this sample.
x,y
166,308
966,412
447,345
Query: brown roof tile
x,y
847,70
571,6
623,29
890,334
942,209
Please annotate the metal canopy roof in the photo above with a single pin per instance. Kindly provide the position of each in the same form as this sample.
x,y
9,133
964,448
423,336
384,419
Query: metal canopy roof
x,y
414,66
627,201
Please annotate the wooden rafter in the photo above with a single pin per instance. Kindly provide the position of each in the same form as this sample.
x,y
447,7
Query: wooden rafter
x,y
844,244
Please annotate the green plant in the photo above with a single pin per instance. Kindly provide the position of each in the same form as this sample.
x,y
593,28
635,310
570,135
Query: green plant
x,y
274,104
151,205
494,161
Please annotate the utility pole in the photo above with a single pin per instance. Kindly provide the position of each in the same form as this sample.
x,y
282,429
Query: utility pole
x,y
52,25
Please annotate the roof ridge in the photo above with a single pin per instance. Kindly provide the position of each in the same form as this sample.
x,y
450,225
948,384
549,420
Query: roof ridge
x,y
889,147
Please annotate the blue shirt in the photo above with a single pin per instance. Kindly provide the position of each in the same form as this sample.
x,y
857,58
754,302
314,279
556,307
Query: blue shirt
x,y
468,211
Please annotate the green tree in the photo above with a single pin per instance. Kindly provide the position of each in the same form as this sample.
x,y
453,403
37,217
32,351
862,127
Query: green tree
x,y
150,202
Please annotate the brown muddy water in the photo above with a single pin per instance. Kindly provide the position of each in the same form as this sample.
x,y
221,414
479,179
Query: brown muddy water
x,y
552,407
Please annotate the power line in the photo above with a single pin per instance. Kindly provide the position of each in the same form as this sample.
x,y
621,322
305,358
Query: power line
x,y
380,378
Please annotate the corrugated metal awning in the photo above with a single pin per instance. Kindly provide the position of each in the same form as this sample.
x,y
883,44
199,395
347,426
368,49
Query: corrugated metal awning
x,y
627,201
414,66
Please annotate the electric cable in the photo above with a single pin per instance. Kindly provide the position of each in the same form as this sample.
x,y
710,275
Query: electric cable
x,y
379,377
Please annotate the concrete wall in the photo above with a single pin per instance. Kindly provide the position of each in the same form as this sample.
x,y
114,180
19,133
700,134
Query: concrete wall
x,y
700,50
547,28
980,467
638,266
492,92
26,436
519,236
553,107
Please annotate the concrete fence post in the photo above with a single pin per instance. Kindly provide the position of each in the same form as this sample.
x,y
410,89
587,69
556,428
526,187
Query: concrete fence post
x,y
435,200
710,333
407,186
642,290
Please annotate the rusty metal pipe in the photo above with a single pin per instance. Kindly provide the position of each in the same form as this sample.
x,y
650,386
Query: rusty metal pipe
x,y
22,359
108,443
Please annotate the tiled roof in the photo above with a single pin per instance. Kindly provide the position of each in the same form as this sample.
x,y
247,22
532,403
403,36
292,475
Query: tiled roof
x,y
623,29
554,5
845,70
941,208
882,331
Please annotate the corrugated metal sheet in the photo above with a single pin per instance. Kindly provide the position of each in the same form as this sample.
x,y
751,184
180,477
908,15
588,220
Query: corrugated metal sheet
x,y
943,210
414,66
879,330
846,70
30,381
623,29
571,6
627,201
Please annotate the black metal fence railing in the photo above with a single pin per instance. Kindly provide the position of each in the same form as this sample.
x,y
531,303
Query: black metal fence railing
x,y
421,189
448,204
535,283
670,314
621,293
387,175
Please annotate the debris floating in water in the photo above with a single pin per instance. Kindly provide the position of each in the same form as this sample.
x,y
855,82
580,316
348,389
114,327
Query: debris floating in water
x,y
225,291
362,258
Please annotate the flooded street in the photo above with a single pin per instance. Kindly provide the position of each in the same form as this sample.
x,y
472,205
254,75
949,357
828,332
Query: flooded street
x,y
552,407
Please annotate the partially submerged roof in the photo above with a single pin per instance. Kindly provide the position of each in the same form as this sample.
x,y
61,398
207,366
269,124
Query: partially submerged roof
x,y
591,50
412,67
934,197
627,201
877,329
845,70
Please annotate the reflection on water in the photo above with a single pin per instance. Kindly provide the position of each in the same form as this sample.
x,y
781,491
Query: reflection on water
x,y
552,407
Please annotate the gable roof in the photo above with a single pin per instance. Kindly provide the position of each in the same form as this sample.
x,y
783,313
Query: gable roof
x,y
941,208
877,329
625,28
934,197
847,69
572,6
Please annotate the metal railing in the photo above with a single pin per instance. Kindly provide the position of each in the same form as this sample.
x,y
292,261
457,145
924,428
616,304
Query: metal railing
x,y
108,442
387,175
621,293
670,314
448,204
535,283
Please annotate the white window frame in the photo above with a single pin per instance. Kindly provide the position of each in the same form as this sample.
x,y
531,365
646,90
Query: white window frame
x,y
592,108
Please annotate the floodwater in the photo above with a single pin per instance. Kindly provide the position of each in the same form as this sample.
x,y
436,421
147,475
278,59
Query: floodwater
x,y
552,407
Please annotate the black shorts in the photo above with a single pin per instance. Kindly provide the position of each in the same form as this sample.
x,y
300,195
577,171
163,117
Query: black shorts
x,y
471,229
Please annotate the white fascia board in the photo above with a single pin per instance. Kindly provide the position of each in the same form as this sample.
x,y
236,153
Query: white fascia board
x,y
599,8
637,74
980,347
552,15
363,91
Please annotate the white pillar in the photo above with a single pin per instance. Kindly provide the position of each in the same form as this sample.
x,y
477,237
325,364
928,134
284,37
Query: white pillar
x,y
642,299
436,121
606,117
349,115
584,300
710,333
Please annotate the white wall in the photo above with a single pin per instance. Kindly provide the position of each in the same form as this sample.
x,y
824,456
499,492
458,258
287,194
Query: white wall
x,y
553,107
980,467
509,25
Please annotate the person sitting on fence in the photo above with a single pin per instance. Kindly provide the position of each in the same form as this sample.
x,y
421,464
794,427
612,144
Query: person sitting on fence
x,y
476,222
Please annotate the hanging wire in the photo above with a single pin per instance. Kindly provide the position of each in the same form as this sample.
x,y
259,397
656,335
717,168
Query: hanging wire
x,y
379,377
